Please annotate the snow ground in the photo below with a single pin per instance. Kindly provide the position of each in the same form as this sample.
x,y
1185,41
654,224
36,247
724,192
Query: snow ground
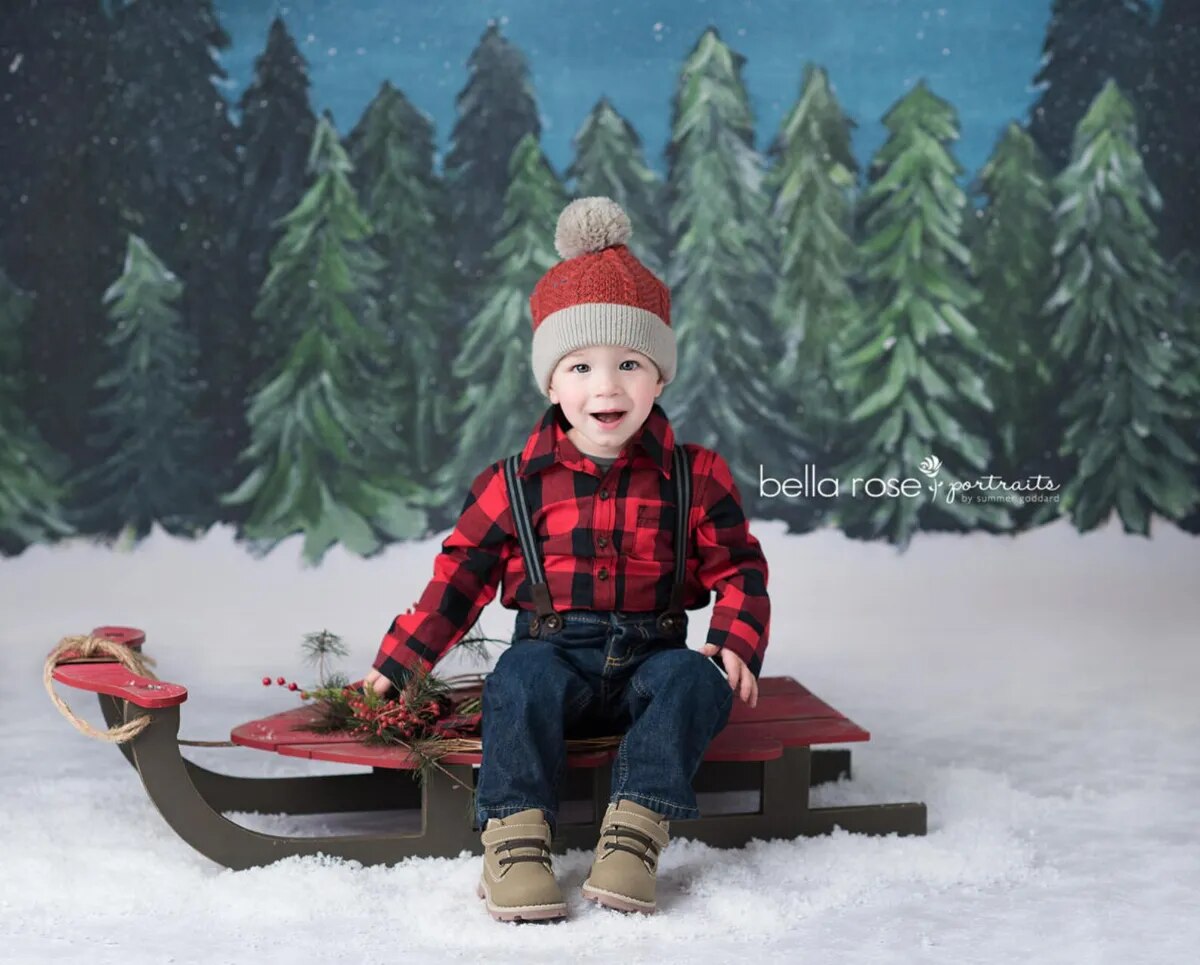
x,y
1039,694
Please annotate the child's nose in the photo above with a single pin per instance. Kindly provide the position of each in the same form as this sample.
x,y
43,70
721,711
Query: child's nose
x,y
606,383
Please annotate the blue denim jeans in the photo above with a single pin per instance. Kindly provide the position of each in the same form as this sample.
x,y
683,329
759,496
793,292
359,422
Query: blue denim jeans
x,y
602,673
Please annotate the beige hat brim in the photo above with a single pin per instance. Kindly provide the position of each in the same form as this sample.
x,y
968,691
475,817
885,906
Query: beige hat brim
x,y
601,323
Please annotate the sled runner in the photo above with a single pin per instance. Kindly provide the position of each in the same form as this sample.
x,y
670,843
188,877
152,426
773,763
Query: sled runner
x,y
767,751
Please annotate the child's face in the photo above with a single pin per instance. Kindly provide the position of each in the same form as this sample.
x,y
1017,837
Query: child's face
x,y
604,378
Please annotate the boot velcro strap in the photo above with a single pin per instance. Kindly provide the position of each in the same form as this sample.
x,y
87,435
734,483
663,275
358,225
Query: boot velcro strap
x,y
627,819
507,831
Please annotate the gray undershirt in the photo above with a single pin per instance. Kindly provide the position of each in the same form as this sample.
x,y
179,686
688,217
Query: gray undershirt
x,y
605,463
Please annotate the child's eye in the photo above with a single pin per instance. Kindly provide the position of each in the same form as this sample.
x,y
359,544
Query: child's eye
x,y
633,362
579,365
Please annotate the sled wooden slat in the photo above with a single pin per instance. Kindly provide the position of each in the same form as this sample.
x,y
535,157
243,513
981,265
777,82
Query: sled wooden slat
x,y
283,729
730,745
782,707
799,733
113,679
780,685
374,755
370,755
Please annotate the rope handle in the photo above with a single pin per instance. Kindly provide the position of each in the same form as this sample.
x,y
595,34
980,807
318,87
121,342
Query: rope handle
x,y
86,647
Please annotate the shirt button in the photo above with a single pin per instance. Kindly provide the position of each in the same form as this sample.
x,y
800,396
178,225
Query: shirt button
x,y
604,494
602,542
603,574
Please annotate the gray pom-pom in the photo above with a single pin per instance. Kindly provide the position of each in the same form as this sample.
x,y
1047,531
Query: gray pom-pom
x,y
589,224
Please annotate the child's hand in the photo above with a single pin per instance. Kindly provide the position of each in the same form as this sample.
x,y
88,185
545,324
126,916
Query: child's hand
x,y
378,681
743,682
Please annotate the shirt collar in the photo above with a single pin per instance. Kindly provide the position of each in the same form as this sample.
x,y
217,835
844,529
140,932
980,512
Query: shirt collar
x,y
549,442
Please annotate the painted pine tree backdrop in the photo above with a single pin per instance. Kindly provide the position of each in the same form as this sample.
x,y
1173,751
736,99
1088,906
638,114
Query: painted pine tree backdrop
x,y
293,330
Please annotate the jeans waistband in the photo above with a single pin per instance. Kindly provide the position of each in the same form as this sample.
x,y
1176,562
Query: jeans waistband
x,y
596,617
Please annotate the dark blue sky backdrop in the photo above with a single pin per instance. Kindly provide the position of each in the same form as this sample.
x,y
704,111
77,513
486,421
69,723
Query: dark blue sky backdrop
x,y
981,55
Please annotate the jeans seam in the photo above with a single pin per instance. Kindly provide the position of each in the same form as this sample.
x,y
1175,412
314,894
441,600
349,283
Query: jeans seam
x,y
657,800
491,812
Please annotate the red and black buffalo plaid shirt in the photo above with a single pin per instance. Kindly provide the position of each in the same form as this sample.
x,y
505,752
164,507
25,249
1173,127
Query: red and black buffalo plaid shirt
x,y
604,542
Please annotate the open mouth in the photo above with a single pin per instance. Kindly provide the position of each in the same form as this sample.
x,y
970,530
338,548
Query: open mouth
x,y
609,418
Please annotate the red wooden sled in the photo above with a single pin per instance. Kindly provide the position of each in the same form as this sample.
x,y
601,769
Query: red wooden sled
x,y
767,749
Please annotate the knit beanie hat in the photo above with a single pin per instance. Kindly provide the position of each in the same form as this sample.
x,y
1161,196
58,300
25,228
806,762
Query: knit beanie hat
x,y
601,294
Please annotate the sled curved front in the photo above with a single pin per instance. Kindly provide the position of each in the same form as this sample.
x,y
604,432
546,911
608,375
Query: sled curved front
x,y
174,786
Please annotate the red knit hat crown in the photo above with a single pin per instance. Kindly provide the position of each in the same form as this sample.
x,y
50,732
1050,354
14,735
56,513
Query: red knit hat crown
x,y
600,295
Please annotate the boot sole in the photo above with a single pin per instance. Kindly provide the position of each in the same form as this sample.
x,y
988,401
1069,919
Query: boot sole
x,y
610,899
521,912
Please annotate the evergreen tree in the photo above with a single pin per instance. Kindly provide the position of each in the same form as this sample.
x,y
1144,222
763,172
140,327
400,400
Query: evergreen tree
x,y
275,134
500,405
811,184
722,396
911,360
1172,141
392,150
1010,249
609,162
1087,42
1187,309
176,177
496,110
30,510
1131,405
58,225
322,449
148,437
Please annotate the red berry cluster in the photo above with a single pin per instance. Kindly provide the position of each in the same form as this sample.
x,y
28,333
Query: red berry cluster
x,y
282,681
393,717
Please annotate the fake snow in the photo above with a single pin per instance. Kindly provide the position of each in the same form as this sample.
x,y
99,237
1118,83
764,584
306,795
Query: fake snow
x,y
1038,693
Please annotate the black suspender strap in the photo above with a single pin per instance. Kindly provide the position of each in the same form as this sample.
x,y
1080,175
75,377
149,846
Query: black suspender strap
x,y
546,615
671,620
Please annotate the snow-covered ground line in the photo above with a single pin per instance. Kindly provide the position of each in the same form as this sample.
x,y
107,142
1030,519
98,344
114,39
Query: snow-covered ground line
x,y
1039,694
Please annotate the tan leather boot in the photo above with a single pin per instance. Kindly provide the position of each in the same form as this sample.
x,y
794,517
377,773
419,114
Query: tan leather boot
x,y
624,870
518,882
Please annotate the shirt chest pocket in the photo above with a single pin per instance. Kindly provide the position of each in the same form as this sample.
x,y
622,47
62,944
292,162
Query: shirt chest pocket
x,y
652,534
